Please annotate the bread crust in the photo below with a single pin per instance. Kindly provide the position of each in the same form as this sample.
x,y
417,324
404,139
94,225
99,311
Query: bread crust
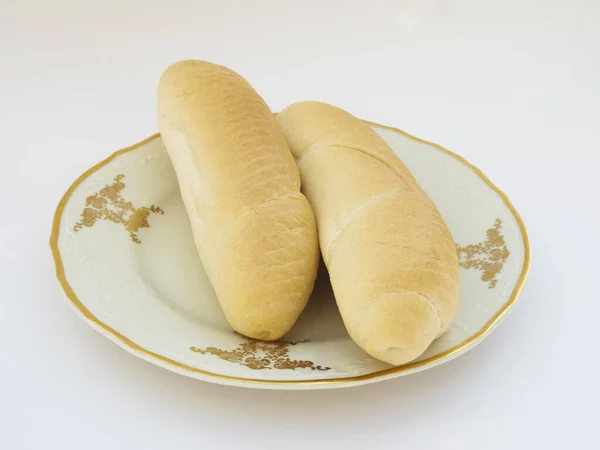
x,y
254,231
392,262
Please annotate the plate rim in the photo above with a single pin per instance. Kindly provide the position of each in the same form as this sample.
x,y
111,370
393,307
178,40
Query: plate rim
x,y
165,362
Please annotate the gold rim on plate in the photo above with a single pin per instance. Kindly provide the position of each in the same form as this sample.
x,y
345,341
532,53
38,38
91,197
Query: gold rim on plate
x,y
60,273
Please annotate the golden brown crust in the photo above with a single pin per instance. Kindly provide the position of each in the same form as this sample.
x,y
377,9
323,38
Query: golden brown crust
x,y
392,261
254,230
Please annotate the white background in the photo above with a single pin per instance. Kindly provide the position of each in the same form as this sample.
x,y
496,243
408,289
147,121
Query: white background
x,y
511,85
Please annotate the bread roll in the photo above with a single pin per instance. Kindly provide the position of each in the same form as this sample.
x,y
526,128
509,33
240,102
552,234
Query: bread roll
x,y
255,232
391,259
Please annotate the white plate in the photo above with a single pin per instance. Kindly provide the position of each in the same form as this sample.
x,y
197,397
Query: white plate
x,y
125,258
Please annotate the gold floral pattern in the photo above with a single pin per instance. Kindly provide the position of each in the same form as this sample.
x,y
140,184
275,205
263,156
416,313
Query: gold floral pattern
x,y
108,204
260,355
488,256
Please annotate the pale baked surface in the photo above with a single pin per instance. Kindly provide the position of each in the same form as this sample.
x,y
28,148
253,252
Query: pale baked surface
x,y
392,261
255,232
